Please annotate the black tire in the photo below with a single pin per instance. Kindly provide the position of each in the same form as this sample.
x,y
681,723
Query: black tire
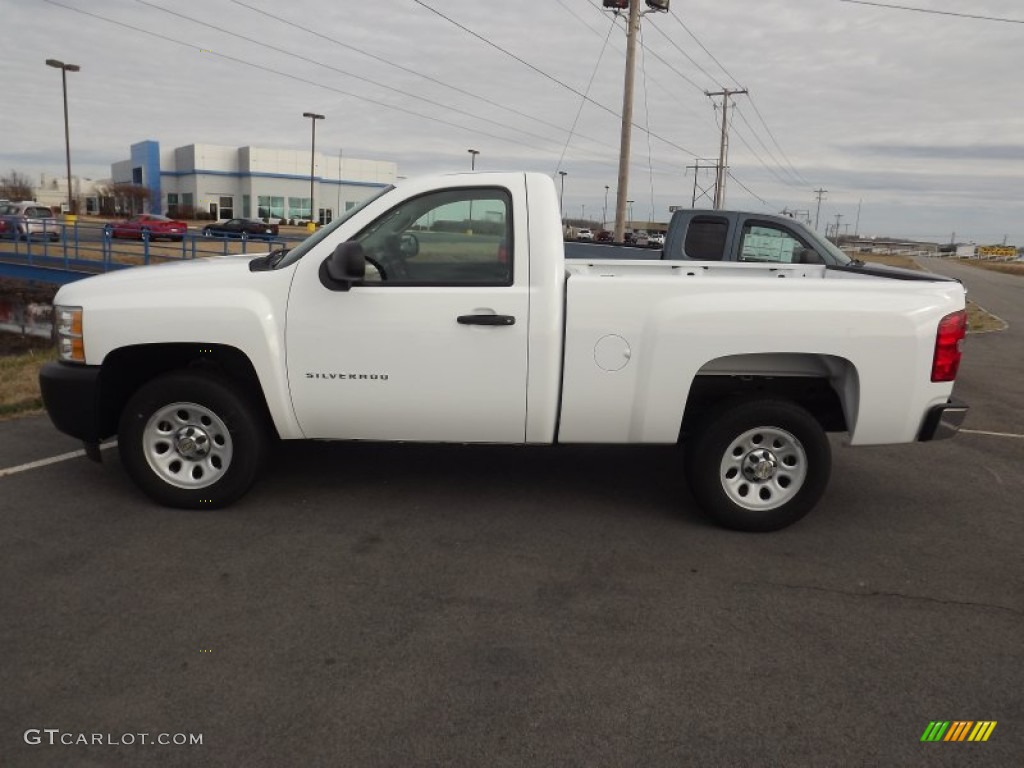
x,y
758,465
192,411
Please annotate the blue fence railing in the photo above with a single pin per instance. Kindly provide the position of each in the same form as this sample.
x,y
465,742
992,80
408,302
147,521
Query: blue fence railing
x,y
89,248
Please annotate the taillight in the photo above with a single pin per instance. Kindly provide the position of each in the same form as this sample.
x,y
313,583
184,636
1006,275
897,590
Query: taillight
x,y
948,343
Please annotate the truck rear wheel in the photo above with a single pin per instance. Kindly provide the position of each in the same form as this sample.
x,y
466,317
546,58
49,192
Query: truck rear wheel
x,y
189,440
758,465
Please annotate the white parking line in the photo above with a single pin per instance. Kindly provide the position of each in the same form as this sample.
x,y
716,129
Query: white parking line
x,y
51,460
992,434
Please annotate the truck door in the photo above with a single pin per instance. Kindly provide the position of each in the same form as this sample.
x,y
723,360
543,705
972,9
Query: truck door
x,y
432,346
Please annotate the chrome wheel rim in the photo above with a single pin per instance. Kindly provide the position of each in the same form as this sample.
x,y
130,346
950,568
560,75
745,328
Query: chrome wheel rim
x,y
187,445
763,468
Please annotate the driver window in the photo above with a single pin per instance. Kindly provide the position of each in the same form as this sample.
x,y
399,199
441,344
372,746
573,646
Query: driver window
x,y
763,242
454,237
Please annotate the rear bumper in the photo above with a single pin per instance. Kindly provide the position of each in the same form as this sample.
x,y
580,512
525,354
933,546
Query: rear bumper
x,y
71,394
943,421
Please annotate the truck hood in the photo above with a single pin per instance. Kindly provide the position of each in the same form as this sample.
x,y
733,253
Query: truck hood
x,y
213,272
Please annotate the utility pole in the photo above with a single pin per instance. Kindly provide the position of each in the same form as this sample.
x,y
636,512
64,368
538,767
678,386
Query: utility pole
x,y
723,152
856,227
835,233
820,193
632,27
604,216
622,191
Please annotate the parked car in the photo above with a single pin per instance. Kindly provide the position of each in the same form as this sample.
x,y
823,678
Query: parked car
x,y
584,235
603,236
656,240
28,219
253,228
149,224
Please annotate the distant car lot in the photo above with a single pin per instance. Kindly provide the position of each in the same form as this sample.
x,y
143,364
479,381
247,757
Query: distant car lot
x,y
255,228
28,219
147,225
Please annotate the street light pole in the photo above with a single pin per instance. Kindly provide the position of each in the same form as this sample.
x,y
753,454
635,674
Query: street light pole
x,y
604,216
561,196
64,69
313,117
472,158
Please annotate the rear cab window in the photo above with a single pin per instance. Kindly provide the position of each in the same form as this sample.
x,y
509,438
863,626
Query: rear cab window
x,y
706,238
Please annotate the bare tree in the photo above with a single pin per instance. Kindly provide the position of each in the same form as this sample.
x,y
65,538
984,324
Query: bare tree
x,y
121,198
16,186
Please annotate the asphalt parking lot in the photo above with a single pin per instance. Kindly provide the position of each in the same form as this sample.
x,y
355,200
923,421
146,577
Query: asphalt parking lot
x,y
448,605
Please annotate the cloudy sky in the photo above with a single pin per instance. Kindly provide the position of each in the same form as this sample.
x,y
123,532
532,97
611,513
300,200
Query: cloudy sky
x,y
915,119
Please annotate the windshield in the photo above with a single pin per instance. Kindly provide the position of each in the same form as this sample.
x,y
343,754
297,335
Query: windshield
x,y
300,250
825,244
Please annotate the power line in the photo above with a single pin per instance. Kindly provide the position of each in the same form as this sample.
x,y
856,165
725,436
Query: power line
x,y
352,75
748,190
767,149
675,45
775,141
290,76
307,81
415,73
772,171
583,101
750,99
940,13
540,71
709,53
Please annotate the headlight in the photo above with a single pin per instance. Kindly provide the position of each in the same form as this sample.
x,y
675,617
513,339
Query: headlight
x,y
70,344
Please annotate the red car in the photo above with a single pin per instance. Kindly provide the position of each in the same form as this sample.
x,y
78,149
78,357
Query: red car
x,y
148,223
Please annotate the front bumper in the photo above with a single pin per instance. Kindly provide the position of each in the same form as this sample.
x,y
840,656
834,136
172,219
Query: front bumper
x,y
943,421
71,394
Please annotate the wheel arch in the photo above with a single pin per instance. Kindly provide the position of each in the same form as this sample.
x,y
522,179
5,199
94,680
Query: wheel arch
x,y
825,385
126,369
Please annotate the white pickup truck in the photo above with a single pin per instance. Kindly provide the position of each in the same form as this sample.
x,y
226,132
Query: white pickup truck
x,y
442,310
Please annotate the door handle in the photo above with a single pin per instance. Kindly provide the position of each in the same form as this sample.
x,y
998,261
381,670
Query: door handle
x,y
486,320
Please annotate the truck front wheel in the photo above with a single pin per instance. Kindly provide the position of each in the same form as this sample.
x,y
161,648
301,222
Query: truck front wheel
x,y
188,440
758,465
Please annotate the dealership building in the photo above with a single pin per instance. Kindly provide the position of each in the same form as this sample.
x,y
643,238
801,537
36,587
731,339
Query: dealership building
x,y
249,182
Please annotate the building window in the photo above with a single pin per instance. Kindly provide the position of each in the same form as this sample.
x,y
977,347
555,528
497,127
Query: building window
x,y
349,206
246,206
299,208
137,175
227,207
270,207
186,200
172,204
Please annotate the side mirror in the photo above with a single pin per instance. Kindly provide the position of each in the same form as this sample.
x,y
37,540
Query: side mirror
x,y
807,256
345,267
